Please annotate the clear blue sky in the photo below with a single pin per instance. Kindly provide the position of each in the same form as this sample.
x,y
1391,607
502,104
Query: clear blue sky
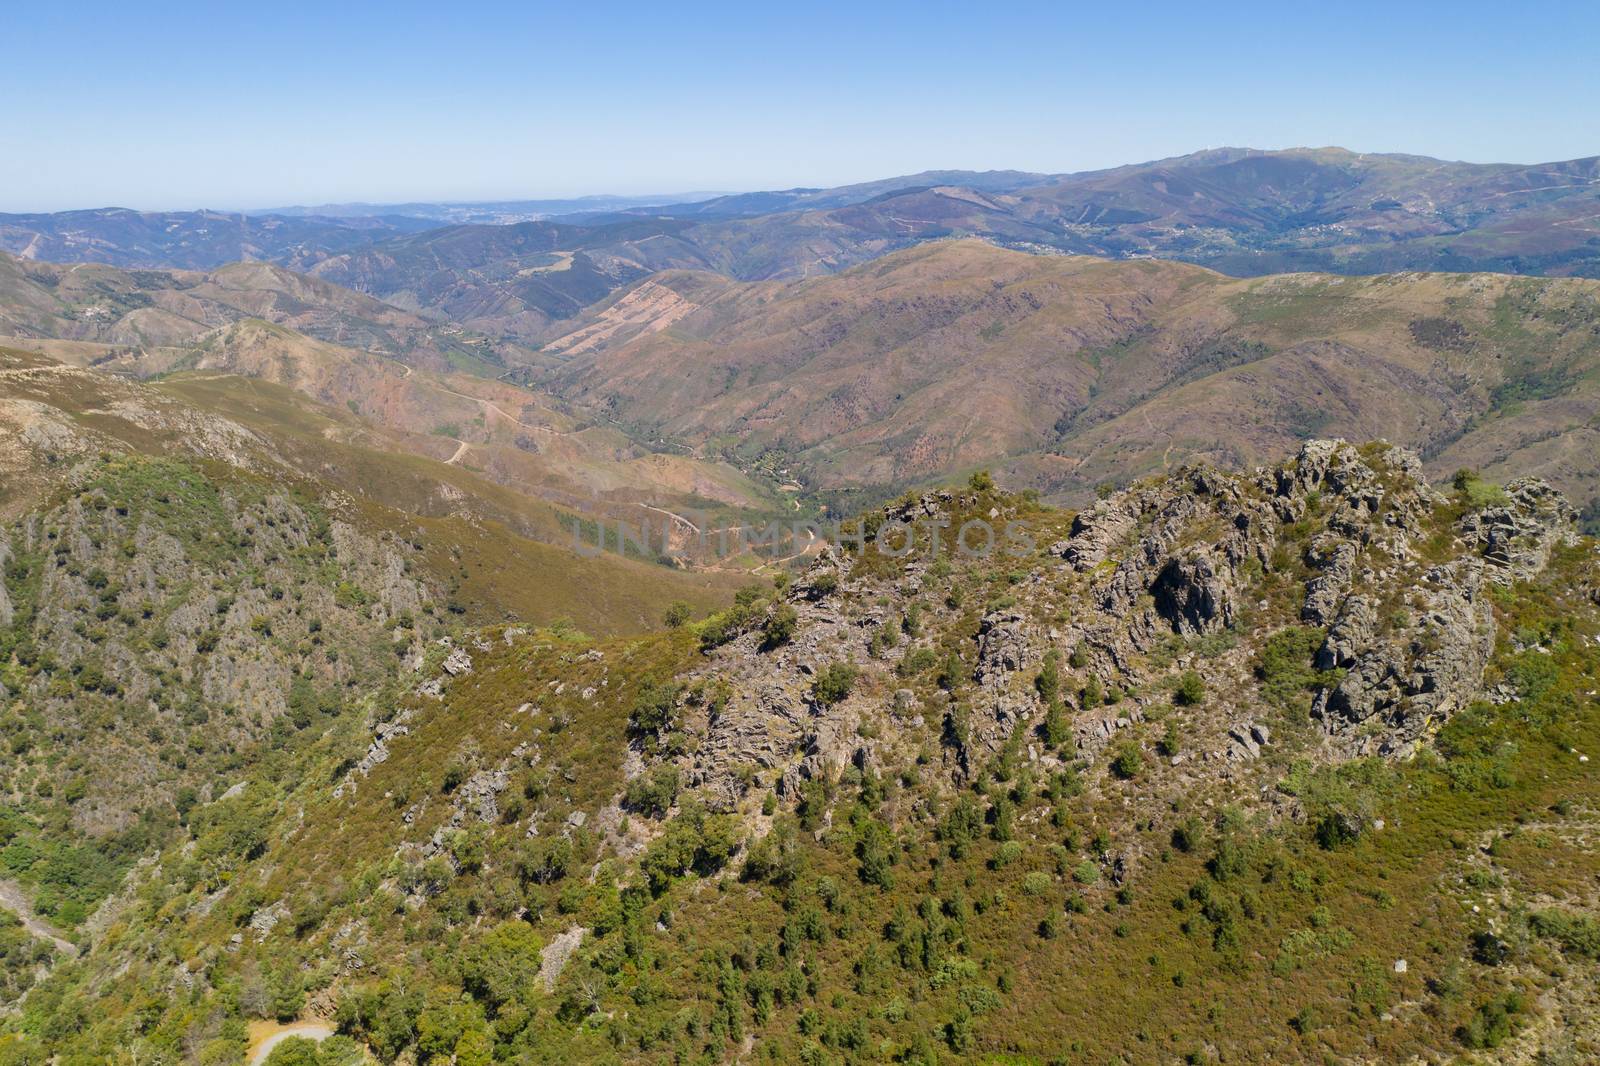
x,y
177,106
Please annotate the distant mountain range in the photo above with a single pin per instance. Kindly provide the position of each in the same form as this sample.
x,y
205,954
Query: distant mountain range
x,y
1241,211
190,240
494,211
759,316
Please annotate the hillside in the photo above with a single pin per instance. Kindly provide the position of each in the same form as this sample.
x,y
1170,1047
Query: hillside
x,y
1304,745
1072,372
1249,212
109,313
432,385
498,553
202,582
194,240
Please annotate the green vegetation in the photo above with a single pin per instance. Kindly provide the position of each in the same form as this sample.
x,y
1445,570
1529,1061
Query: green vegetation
x,y
1190,690
915,891
1476,492
833,683
1286,668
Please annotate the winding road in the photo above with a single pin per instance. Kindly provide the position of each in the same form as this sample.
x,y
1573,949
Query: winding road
x,y
260,1051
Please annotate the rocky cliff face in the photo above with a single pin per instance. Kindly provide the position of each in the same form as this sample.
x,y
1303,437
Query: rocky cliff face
x,y
1351,542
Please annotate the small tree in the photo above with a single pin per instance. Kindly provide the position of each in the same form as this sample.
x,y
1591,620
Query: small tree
x,y
678,614
952,672
288,995
1171,742
653,793
1048,681
1055,730
1091,694
780,625
1129,761
875,849
834,683
1191,690
653,709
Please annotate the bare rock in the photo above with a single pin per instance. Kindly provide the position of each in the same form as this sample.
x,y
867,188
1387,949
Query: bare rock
x,y
1335,558
1193,593
1003,645
458,662
1518,536
553,959
478,794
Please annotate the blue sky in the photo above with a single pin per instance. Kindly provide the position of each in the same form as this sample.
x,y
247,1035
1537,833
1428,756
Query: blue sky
x,y
178,106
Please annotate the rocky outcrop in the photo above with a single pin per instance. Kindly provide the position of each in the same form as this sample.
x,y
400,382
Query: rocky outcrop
x,y
478,796
1405,610
1407,674
1194,594
1517,537
1097,531
458,662
1335,559
377,752
1353,629
1407,682
553,958
1003,646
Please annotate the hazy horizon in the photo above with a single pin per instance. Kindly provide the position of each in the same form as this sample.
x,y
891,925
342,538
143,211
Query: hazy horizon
x,y
695,195
248,109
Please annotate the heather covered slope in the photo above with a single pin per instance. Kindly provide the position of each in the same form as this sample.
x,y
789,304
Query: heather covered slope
x,y
1306,746
501,552
1069,372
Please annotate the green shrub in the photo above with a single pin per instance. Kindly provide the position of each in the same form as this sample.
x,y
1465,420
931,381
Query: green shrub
x,y
1285,667
1578,934
1475,492
653,793
917,661
1492,1023
1128,762
780,625
1048,681
1171,741
653,708
833,684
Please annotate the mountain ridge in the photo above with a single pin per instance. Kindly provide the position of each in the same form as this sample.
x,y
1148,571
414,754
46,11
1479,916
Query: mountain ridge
x,y
957,354
920,806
